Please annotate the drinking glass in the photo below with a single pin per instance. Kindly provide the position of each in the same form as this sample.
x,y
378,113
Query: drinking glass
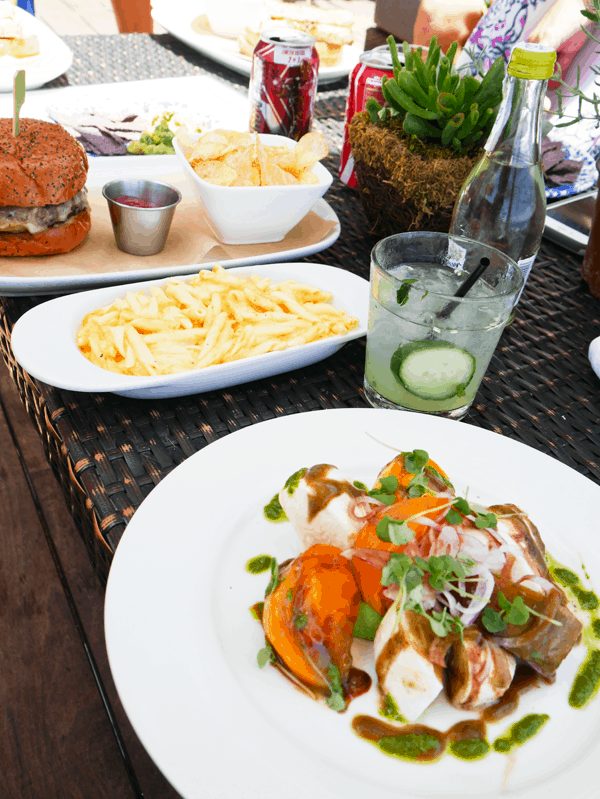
x,y
427,350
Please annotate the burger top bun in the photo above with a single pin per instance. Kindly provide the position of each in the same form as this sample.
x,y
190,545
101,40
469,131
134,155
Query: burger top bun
x,y
43,165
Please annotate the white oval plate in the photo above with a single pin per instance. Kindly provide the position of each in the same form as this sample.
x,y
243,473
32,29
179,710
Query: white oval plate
x,y
177,18
44,338
182,644
53,60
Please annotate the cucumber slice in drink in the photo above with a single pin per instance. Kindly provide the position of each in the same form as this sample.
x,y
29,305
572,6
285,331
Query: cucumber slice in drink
x,y
433,370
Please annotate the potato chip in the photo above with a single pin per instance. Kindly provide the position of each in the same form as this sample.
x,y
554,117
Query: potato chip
x,y
216,317
216,172
255,163
309,178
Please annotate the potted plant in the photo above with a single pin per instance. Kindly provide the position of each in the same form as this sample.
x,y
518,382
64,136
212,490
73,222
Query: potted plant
x,y
413,155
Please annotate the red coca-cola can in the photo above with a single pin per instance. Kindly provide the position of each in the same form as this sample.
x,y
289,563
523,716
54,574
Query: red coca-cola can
x,y
283,83
365,82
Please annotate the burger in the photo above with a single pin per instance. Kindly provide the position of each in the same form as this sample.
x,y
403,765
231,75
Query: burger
x,y
43,200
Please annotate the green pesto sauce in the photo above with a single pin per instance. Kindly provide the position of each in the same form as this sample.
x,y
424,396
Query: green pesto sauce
x,y
274,512
259,564
256,610
359,485
587,680
293,480
595,628
409,746
587,599
520,732
472,749
390,710
565,576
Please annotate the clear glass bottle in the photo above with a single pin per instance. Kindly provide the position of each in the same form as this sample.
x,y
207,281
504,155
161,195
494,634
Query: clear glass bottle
x,y
503,201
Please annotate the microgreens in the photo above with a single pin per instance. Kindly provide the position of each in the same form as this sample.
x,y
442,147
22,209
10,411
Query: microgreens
x,y
460,507
336,699
394,531
385,493
516,612
402,293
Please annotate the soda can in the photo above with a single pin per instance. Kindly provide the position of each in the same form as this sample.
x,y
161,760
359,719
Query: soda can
x,y
283,83
365,82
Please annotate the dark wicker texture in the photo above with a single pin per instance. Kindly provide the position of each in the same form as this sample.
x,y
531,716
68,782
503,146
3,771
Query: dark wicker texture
x,y
108,452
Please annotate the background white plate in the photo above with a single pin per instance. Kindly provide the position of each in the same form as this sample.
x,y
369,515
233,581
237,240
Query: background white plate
x,y
43,339
201,95
177,18
182,644
54,58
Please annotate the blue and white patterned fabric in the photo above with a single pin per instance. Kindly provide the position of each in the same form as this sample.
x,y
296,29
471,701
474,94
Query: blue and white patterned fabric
x,y
504,24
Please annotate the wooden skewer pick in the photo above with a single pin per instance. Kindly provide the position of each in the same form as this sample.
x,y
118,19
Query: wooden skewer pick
x,y
18,98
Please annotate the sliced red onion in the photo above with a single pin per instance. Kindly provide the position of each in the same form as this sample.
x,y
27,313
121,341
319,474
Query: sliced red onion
x,y
367,506
450,538
481,596
450,602
426,522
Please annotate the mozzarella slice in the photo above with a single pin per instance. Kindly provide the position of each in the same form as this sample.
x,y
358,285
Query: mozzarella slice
x,y
401,645
321,507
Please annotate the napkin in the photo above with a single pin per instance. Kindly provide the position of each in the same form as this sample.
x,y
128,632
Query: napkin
x,y
190,241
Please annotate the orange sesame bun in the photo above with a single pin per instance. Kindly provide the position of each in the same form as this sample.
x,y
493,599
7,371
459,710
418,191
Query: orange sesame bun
x,y
43,165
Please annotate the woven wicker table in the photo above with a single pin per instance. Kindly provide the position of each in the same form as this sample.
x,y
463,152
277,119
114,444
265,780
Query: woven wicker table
x,y
109,452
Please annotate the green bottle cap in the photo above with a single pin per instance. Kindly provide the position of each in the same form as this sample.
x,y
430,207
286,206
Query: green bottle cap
x,y
533,62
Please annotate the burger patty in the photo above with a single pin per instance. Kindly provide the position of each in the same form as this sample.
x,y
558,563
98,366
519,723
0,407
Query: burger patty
x,y
18,219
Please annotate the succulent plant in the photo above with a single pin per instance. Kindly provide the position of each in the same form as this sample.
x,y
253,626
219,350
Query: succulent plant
x,y
434,102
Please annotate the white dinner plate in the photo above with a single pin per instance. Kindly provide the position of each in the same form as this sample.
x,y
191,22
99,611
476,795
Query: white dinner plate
x,y
44,339
177,18
199,96
53,60
182,643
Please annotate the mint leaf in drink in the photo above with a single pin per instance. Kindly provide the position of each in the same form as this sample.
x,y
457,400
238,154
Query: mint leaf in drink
x,y
402,293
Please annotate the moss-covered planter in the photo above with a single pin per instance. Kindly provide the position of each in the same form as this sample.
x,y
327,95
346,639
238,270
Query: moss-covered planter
x,y
406,184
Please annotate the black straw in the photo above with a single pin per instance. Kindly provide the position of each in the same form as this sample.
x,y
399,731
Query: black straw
x,y
465,287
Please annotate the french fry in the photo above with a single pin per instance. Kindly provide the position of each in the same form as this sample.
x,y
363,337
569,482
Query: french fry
x,y
216,317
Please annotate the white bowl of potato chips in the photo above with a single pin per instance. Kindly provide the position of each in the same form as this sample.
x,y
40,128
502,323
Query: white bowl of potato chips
x,y
178,336
254,187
